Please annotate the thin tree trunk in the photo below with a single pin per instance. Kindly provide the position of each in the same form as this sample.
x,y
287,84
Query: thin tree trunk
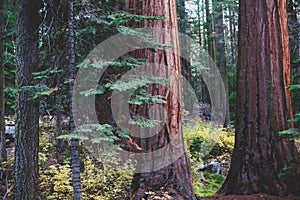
x,y
297,9
3,155
76,181
26,173
263,102
294,25
221,57
199,20
232,26
204,89
204,28
185,65
293,31
58,124
210,48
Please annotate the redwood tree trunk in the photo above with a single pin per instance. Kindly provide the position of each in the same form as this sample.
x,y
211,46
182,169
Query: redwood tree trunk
x,y
263,102
26,172
176,177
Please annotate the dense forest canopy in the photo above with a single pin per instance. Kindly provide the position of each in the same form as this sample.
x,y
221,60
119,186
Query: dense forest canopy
x,y
153,99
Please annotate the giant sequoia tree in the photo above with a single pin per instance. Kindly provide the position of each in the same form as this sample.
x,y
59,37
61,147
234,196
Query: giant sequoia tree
x,y
176,177
263,102
27,140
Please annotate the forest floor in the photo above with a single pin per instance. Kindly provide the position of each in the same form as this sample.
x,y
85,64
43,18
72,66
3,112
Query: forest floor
x,y
198,111
249,197
194,114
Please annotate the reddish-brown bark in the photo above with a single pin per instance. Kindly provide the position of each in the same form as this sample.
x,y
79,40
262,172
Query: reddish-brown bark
x,y
176,177
263,102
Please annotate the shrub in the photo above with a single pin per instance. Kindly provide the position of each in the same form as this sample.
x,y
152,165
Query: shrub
x,y
199,139
204,141
97,182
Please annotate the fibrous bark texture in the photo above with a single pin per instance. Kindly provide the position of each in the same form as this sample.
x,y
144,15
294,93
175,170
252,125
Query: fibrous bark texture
x,y
175,178
27,136
263,102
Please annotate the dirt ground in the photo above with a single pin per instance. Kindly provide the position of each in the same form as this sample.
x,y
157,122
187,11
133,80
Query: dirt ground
x,y
250,197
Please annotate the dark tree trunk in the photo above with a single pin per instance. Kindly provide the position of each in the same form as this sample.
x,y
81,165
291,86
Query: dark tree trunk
x,y
294,34
183,23
199,22
175,178
204,43
294,26
293,30
2,107
211,48
263,102
27,137
58,124
185,65
232,27
203,40
3,154
220,49
76,181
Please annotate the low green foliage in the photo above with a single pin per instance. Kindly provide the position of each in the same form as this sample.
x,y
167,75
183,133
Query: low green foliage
x,y
56,182
108,179
100,180
293,132
204,142
143,122
232,103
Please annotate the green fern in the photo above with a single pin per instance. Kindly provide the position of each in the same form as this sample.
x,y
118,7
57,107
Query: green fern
x,y
143,122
